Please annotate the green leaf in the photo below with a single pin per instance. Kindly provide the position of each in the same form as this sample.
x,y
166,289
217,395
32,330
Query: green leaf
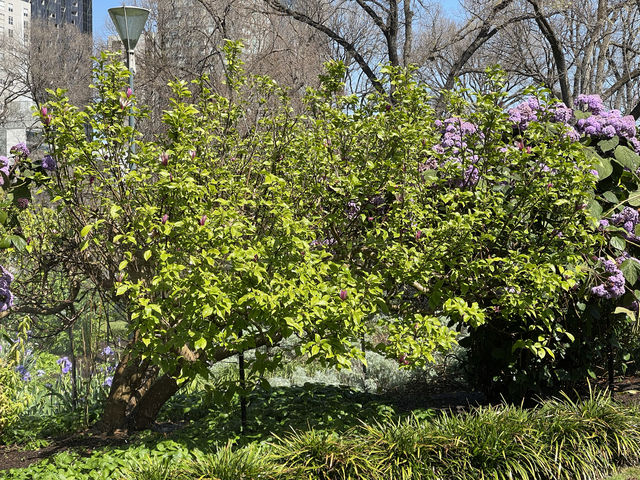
x,y
606,145
3,217
595,208
631,270
610,197
123,264
17,241
85,231
627,158
602,165
147,255
618,243
200,344
634,199
122,289
115,211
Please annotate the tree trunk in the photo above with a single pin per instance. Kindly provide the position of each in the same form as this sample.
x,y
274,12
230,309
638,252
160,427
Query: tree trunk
x,y
150,403
131,374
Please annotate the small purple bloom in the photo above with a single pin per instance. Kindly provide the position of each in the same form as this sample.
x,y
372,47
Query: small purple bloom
x,y
40,373
24,373
203,220
107,351
65,364
108,381
20,150
49,163
343,294
22,203
165,217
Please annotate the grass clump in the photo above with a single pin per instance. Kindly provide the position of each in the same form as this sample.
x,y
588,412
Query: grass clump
x,y
561,439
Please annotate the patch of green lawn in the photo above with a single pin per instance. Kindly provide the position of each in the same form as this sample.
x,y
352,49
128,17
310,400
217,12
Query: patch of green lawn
x,y
632,473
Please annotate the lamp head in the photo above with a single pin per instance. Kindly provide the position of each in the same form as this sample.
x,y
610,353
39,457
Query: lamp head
x,y
129,22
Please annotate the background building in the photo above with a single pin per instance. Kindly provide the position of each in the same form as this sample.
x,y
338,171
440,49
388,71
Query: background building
x,y
74,12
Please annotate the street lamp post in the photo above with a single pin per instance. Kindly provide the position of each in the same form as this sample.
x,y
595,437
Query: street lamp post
x,y
129,22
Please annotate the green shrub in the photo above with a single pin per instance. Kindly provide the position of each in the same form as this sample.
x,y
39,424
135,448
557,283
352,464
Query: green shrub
x,y
10,406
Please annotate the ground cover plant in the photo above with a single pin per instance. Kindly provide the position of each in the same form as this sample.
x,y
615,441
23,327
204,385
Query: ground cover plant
x,y
247,236
559,439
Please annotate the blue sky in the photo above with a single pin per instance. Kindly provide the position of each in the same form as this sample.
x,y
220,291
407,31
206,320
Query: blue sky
x,y
100,14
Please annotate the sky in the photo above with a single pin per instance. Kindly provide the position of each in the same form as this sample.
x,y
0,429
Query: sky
x,y
101,16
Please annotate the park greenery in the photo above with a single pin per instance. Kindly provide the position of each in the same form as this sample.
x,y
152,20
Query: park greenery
x,y
247,241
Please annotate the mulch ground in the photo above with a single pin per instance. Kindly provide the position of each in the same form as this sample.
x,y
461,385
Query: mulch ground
x,y
84,443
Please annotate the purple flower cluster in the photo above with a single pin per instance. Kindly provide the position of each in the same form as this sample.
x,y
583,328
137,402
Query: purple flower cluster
x,y
530,111
65,364
6,297
454,130
613,286
603,122
608,124
4,168
589,103
49,163
455,133
561,113
628,218
352,209
20,150
525,113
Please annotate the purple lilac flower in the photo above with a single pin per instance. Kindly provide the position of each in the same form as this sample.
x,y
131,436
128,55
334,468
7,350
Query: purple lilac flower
x,y
628,218
108,381
65,364
5,277
6,297
471,176
4,165
352,209
524,113
608,124
20,150
635,144
589,103
613,286
49,163
572,134
562,113
454,130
